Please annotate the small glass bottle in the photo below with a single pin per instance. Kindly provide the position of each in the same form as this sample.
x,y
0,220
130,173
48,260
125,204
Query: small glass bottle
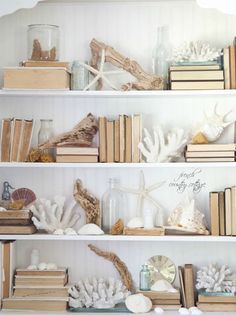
x,y
45,133
34,257
144,278
112,205
148,219
79,76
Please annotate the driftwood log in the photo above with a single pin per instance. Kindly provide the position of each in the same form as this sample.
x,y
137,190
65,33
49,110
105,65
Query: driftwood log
x,y
118,263
88,202
145,81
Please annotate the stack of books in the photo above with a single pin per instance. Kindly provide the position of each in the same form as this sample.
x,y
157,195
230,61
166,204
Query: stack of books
x,y
15,140
210,152
166,300
217,303
68,154
223,212
119,139
16,222
196,77
38,290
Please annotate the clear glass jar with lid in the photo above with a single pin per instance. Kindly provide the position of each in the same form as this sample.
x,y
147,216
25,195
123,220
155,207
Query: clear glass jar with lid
x,y
43,42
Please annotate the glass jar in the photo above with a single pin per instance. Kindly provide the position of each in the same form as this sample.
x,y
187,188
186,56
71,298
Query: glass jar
x,y
112,205
145,278
45,133
43,42
79,76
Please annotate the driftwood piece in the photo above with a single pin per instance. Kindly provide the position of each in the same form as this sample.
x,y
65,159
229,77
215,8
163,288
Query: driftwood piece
x,y
145,81
118,263
82,134
39,54
88,202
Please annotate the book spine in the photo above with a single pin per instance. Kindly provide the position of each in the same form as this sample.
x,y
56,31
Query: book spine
x,y
189,285
214,209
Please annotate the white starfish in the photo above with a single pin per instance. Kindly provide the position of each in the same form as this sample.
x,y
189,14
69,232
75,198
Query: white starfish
x,y
100,73
143,193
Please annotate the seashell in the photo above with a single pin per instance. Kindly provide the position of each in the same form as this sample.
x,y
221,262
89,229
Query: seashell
x,y
32,267
118,227
184,311
90,229
2,209
70,231
42,266
158,310
17,204
138,303
24,194
195,310
136,222
51,266
58,232
162,285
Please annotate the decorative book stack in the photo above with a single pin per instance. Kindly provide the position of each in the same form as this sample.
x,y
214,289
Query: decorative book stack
x,y
165,300
217,303
16,222
76,154
210,153
196,77
119,139
223,212
39,290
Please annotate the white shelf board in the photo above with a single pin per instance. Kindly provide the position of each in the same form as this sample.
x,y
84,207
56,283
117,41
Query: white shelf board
x,y
66,313
120,94
132,238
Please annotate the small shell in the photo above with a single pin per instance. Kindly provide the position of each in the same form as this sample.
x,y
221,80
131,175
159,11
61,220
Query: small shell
x,y
158,310
58,232
90,229
32,267
184,311
70,231
136,222
42,266
118,227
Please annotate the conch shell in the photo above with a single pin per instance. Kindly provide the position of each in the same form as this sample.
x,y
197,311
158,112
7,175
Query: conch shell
x,y
212,128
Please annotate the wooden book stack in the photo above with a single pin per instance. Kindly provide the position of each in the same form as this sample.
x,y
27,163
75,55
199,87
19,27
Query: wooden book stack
x,y
16,222
223,212
38,290
165,300
75,154
210,153
217,303
196,77
119,139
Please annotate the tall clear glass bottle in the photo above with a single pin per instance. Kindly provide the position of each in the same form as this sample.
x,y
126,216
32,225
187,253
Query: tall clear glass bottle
x,y
112,205
45,133
145,278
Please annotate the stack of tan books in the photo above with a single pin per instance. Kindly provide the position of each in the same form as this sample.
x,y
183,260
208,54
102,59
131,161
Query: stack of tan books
x,y
210,152
15,141
39,290
223,212
16,222
217,303
196,77
68,154
119,139
165,300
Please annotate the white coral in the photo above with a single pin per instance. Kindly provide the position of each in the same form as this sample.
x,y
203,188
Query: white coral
x,y
97,293
54,216
216,279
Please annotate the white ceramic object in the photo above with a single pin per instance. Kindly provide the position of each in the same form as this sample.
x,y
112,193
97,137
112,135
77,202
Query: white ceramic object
x,y
195,311
162,285
184,311
136,222
42,266
138,303
158,310
90,229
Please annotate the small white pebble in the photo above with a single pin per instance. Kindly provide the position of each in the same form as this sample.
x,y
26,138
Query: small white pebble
x,y
195,311
158,310
184,311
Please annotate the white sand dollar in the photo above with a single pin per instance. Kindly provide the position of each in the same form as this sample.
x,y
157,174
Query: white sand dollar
x,y
138,303
136,222
90,229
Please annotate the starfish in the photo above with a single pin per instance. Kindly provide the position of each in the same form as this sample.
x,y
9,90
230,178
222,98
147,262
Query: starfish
x,y
143,193
100,73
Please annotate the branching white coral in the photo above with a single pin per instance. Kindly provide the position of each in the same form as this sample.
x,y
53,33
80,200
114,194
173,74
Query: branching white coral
x,y
97,293
53,216
216,279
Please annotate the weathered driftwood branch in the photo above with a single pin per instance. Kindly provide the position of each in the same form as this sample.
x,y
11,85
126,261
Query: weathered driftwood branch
x,y
118,263
82,134
88,202
145,81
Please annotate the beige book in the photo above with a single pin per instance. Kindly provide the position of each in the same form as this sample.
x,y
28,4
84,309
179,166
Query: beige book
x,y
31,292
214,209
15,214
6,255
222,212
43,78
110,142
54,304
76,158
14,229
217,307
40,280
76,150
205,154
233,210
154,295
136,137
216,299
197,75
228,221
117,140
158,231
15,144
102,139
189,285
211,147
210,159
195,67
166,302
6,139
26,272
197,85
128,139
25,141
226,67
181,283
38,63
15,222
168,307
122,138
232,67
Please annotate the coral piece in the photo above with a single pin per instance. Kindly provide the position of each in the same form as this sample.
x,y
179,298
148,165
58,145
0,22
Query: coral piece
x,y
90,229
187,217
97,293
54,215
118,263
145,81
136,222
163,285
213,278
211,128
138,303
82,134
88,202
118,227
195,52
25,194
161,148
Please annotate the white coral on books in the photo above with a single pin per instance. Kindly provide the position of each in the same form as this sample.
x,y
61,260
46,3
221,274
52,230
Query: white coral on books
x,y
213,278
97,293
54,216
